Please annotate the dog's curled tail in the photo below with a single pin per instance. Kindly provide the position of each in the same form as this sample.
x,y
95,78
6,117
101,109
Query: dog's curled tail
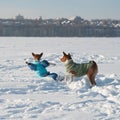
x,y
94,65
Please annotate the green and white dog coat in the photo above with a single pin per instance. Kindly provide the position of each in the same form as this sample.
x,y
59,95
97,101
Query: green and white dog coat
x,y
79,69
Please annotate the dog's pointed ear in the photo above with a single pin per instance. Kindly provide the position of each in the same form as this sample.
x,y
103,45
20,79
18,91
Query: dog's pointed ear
x,y
41,54
64,53
33,54
69,54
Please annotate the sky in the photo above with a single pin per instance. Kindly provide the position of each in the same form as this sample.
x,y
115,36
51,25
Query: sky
x,y
87,9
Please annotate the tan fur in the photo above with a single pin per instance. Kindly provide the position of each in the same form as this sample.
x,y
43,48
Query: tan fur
x,y
37,57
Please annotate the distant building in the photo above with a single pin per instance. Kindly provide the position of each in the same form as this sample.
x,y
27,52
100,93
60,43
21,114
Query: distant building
x,y
19,17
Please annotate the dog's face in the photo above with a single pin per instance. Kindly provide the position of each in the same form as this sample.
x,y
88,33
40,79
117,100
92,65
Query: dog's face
x,y
65,57
37,57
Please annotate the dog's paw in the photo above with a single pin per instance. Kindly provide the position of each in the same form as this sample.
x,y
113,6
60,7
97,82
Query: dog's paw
x,y
28,63
60,78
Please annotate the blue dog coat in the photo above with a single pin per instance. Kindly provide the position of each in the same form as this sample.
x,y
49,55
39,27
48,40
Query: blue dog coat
x,y
40,69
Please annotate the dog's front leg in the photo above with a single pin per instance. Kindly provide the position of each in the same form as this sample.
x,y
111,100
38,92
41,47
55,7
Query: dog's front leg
x,y
71,78
65,78
68,78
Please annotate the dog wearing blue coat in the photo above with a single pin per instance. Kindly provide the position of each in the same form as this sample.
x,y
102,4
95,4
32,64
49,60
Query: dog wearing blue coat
x,y
40,67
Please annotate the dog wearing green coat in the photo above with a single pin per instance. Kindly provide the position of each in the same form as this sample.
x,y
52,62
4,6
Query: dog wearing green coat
x,y
77,70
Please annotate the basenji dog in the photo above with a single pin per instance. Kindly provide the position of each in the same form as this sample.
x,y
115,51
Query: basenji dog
x,y
40,66
77,70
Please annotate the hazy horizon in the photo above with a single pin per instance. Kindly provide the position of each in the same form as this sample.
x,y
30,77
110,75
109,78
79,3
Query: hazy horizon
x,y
92,9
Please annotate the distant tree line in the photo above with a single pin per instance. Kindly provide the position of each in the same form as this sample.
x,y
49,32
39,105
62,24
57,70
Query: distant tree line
x,y
77,27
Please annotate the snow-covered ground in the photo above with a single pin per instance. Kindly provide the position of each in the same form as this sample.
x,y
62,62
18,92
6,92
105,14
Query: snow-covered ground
x,y
24,96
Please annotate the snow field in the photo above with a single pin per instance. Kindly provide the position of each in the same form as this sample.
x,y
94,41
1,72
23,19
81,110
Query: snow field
x,y
25,96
